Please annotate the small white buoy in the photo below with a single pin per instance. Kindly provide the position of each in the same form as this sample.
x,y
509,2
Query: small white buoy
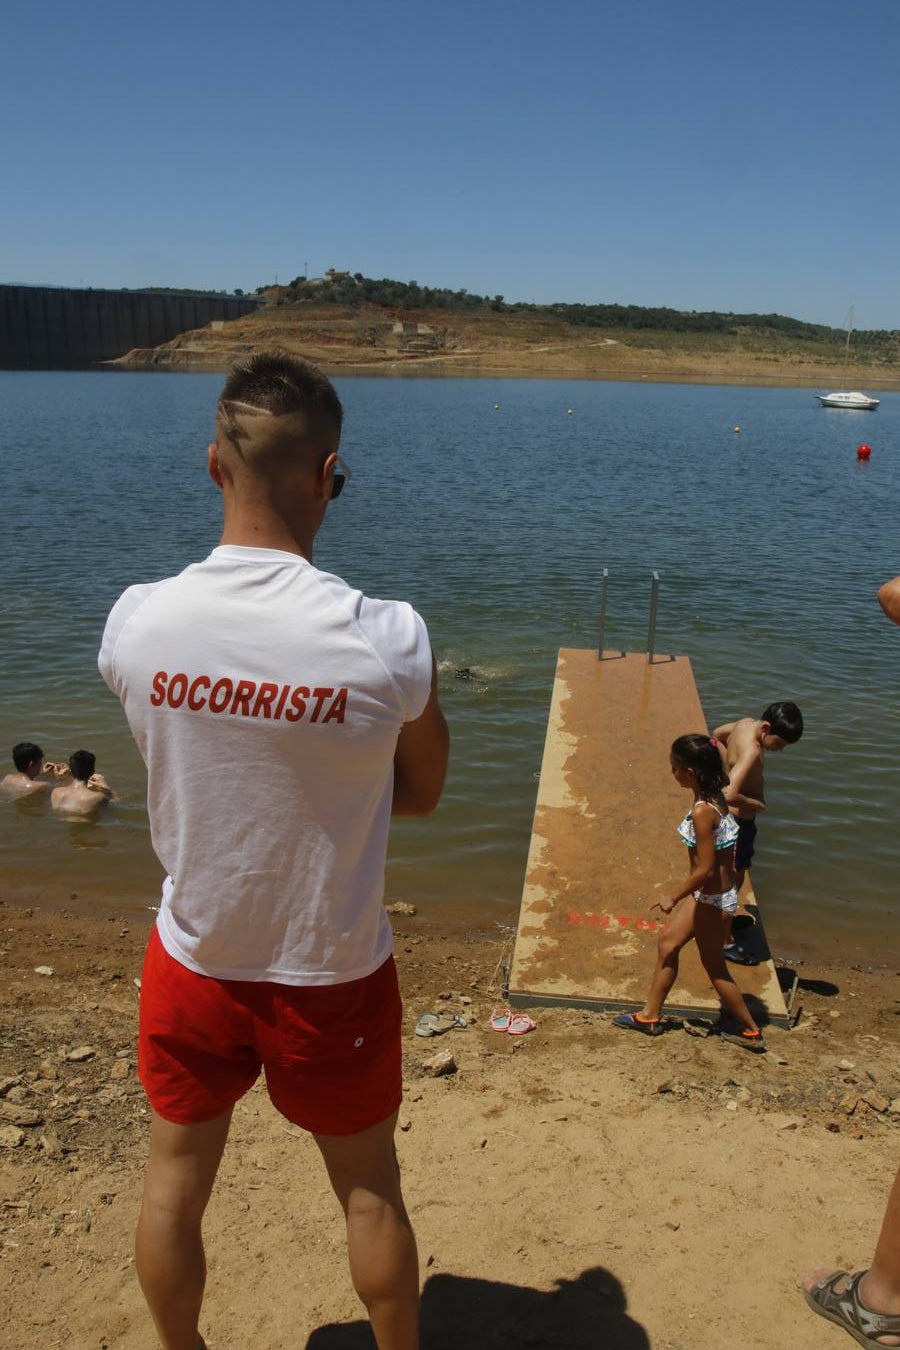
x,y
737,431
569,410
496,407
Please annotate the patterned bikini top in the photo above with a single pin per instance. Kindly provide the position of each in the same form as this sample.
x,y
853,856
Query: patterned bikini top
x,y
724,837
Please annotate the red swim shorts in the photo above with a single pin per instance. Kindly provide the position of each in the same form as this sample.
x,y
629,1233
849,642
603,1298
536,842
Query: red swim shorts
x,y
331,1053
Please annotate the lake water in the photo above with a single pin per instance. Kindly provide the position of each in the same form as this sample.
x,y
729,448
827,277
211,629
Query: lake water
x,y
496,523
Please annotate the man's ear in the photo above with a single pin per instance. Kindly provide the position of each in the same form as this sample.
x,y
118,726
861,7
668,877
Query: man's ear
x,y
212,464
325,475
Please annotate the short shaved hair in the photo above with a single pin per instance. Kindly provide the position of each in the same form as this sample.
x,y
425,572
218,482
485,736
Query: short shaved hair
x,y
275,385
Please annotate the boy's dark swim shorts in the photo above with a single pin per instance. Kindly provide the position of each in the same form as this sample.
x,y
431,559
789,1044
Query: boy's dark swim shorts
x,y
743,846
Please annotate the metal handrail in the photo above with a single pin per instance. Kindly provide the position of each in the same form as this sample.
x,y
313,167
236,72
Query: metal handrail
x,y
651,627
604,584
654,603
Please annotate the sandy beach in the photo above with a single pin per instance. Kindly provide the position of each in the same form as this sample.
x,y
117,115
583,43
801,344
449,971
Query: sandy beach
x,y
569,1187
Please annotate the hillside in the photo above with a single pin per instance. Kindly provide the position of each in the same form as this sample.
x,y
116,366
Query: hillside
x,y
493,339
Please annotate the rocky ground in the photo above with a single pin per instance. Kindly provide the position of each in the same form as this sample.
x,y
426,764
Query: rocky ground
x,y
573,1187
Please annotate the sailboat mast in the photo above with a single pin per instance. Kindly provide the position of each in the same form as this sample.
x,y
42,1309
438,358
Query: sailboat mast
x,y
847,344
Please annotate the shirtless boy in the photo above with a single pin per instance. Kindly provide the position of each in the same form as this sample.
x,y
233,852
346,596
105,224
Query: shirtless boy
x,y
743,745
88,790
30,764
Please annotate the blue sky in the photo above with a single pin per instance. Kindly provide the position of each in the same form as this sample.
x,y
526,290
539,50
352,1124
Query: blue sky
x,y
698,154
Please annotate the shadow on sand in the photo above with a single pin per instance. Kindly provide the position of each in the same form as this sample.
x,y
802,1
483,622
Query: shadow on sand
x,y
457,1312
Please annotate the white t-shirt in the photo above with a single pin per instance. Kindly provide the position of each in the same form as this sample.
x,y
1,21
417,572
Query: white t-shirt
x,y
266,698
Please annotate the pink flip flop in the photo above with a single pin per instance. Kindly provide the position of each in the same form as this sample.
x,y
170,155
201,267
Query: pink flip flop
x,y
519,1024
500,1019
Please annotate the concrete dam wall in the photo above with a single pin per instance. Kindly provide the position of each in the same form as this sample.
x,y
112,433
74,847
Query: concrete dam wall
x,y
49,327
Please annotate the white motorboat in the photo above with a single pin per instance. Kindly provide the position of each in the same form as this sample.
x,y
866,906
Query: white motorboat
x,y
864,402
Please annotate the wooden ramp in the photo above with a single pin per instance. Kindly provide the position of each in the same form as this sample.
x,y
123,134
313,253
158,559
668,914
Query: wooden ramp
x,y
604,847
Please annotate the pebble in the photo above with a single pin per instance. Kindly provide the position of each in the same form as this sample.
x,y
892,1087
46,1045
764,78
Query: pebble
x,y
700,1029
19,1115
440,1064
402,908
894,1107
81,1053
7,1083
875,1100
11,1136
43,970
120,1069
846,1064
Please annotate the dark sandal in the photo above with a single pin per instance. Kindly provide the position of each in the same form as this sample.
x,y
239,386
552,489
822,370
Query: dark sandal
x,y
847,1311
631,1022
737,955
755,1044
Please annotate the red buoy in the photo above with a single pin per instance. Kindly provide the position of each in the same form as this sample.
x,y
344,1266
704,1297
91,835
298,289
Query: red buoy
x,y
863,451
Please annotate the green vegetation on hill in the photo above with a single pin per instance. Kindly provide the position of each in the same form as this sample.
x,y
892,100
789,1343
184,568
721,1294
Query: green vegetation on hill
x,y
356,291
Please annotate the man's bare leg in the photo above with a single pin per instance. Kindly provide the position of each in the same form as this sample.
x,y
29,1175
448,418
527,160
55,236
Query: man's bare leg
x,y
384,1264
169,1255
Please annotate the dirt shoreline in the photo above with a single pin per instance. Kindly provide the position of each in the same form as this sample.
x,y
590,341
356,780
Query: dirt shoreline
x,y
568,1187
480,369
444,344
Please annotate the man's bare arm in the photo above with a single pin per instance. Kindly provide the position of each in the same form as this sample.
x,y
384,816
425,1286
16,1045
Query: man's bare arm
x,y
420,760
889,599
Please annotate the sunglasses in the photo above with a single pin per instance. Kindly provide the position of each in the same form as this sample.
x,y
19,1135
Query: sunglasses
x,y
340,478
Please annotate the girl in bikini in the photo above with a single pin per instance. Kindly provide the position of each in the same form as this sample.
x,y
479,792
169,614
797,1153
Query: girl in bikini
x,y
708,896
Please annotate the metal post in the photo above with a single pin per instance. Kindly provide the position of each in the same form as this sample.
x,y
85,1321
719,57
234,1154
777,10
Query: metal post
x,y
654,600
603,586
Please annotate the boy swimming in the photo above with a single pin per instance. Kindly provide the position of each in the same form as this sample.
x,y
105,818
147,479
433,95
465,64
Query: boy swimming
x,y
30,764
88,790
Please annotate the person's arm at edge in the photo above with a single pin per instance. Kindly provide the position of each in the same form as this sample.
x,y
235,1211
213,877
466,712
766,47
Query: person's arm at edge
x,y
889,599
722,733
420,759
